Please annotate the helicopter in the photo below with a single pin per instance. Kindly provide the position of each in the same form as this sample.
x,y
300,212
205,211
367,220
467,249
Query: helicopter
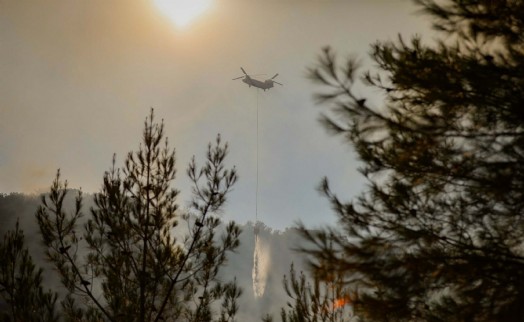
x,y
267,84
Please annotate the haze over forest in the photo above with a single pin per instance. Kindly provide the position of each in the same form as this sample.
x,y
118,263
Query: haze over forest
x,y
278,244
80,77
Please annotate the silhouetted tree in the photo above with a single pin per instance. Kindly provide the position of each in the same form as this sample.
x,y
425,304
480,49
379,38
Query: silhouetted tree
x,y
133,262
439,234
22,297
324,299
14,206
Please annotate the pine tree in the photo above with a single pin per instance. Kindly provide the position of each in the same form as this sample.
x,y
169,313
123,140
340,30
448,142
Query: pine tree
x,y
439,233
324,299
134,262
21,293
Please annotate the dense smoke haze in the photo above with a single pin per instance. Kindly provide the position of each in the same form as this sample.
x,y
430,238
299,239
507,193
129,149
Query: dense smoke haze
x,y
79,77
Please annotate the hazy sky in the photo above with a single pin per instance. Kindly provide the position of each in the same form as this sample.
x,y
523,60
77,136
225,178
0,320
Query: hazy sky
x,y
78,79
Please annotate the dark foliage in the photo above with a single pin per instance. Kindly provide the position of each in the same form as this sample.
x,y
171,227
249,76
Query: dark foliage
x,y
323,300
439,234
22,297
133,262
239,263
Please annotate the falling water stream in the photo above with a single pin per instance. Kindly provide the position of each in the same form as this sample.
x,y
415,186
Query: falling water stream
x,y
261,254
260,266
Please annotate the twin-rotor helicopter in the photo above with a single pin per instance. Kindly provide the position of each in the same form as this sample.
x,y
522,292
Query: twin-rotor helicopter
x,y
267,84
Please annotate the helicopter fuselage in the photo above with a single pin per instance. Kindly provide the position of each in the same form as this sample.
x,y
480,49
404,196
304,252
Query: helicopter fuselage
x,y
267,84
259,84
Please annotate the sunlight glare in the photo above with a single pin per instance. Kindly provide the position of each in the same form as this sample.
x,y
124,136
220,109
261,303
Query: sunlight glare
x,y
182,12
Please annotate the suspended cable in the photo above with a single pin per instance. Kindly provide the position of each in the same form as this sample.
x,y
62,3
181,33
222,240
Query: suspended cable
x,y
256,193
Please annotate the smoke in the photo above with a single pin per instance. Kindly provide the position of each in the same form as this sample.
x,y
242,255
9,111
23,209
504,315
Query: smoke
x,y
261,263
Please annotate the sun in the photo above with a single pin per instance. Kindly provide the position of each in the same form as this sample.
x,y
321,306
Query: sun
x,y
182,12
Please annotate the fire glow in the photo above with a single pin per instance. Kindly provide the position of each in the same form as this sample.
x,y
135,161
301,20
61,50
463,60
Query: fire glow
x,y
341,302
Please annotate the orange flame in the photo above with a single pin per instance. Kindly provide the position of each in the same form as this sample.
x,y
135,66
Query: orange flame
x,y
338,303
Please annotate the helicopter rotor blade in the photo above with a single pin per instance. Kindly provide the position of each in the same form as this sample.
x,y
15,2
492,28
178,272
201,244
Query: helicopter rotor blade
x,y
246,75
274,76
278,83
243,70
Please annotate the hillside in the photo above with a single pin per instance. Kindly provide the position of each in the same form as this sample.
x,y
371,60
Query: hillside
x,y
276,250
